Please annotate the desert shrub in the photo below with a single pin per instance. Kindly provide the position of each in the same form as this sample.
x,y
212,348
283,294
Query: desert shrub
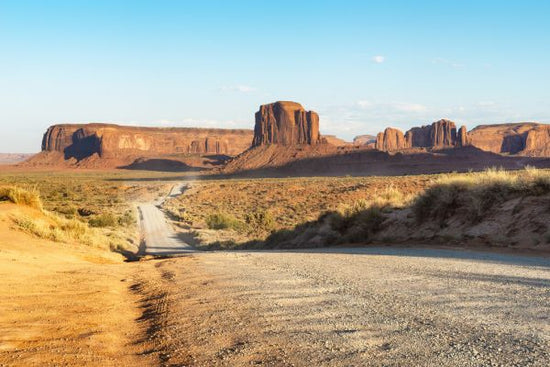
x,y
260,221
103,220
363,224
223,221
389,197
127,219
356,223
475,194
68,211
17,195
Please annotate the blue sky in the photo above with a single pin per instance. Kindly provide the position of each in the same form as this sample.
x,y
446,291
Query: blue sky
x,y
363,65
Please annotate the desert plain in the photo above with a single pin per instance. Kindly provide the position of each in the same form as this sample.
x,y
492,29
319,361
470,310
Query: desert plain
x,y
123,246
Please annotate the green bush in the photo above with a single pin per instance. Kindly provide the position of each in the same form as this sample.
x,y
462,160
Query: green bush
x,y
127,219
223,221
103,220
260,221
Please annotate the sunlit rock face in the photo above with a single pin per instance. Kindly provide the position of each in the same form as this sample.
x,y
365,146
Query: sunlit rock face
x,y
286,123
391,139
526,138
111,141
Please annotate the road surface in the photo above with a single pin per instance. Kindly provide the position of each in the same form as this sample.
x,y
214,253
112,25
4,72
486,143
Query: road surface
x,y
349,307
374,306
158,237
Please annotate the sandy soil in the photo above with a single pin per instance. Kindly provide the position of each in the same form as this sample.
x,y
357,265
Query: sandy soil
x,y
65,305
341,307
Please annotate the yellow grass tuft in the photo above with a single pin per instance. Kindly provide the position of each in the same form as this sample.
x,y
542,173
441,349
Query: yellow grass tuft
x,y
17,195
55,228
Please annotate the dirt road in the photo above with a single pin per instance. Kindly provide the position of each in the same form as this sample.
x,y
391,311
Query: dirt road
x,y
158,237
342,307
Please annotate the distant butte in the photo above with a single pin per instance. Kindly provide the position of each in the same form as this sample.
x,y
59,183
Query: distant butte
x,y
286,123
284,133
525,139
108,145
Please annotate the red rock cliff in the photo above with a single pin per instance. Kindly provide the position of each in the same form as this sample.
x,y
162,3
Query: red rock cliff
x,y
113,141
527,138
441,133
286,123
391,139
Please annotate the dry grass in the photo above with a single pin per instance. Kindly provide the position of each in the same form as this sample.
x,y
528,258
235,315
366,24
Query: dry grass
x,y
223,221
51,226
262,206
474,194
103,200
58,229
470,197
17,195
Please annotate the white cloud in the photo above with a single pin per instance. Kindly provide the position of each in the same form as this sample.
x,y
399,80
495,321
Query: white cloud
x,y
238,88
378,59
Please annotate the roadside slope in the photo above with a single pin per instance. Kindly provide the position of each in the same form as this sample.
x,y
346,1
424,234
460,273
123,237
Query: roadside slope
x,y
64,304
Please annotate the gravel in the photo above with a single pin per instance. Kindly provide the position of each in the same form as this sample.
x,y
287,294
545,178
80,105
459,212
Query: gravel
x,y
382,306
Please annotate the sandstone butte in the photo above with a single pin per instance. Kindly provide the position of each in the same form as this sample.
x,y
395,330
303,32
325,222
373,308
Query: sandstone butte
x,y
107,141
286,123
528,139
440,134
284,132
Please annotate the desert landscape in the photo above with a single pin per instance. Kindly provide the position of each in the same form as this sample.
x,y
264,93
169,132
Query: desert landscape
x,y
402,257
343,207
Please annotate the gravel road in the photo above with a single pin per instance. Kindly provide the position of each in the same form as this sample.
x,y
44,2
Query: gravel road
x,y
158,237
348,307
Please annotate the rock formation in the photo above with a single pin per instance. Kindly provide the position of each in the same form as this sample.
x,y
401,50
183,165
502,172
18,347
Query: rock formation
x,y
528,138
286,123
108,141
441,133
462,137
391,139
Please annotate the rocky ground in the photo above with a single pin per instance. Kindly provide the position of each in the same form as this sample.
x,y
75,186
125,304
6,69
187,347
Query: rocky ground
x,y
342,307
